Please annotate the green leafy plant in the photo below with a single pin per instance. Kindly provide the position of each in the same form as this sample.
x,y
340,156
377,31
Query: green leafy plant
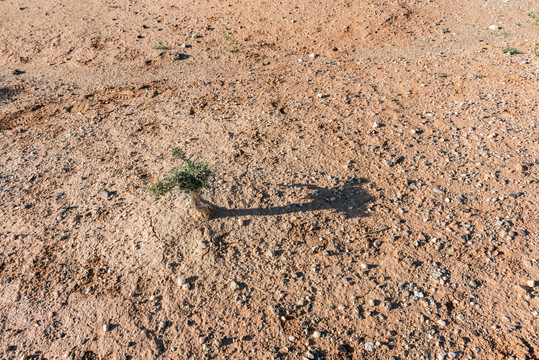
x,y
510,50
192,177
118,58
536,50
534,17
159,46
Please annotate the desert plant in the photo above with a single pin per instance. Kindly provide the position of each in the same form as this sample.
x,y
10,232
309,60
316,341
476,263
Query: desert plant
x,y
192,178
510,50
230,39
159,46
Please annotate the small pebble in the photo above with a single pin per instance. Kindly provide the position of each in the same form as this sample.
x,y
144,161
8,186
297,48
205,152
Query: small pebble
x,y
369,346
234,285
186,286
442,322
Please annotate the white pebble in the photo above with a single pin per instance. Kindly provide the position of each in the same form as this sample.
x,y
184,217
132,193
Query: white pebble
x,y
186,286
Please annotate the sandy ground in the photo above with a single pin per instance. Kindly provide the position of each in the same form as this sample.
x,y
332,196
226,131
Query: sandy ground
x,y
376,168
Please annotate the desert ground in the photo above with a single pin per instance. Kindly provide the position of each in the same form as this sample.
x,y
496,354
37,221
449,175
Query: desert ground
x,y
375,179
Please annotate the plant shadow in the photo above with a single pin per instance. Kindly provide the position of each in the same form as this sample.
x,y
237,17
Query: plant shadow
x,y
349,199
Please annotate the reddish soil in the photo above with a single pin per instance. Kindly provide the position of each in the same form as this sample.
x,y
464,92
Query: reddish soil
x,y
376,179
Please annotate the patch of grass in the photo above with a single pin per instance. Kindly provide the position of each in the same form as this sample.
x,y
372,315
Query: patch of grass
x,y
536,50
534,18
442,75
476,76
230,39
510,50
227,35
159,46
118,58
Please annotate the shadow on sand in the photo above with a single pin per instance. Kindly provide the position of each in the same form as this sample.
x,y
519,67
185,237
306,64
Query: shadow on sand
x,y
349,199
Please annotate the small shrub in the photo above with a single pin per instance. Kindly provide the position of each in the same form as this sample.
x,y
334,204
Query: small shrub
x,y
192,178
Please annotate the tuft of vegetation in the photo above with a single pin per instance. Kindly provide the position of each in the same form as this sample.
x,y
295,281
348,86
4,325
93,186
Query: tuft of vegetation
x,y
536,50
192,177
510,50
118,58
442,75
159,46
534,17
230,39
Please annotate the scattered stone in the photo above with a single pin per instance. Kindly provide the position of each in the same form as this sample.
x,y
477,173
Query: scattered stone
x,y
234,285
106,326
186,286
310,355
316,334
442,323
162,325
181,280
532,283
106,194
177,56
369,346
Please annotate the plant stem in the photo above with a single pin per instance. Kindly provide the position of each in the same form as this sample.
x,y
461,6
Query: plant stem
x,y
195,198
